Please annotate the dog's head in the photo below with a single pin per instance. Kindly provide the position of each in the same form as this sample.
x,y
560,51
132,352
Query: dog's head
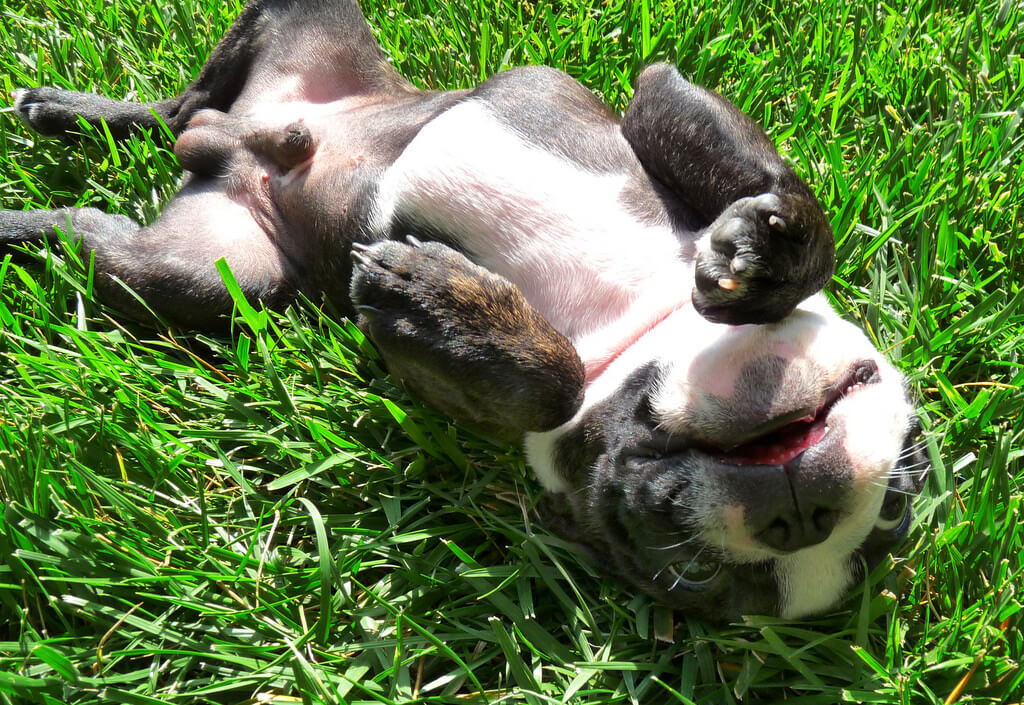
x,y
740,469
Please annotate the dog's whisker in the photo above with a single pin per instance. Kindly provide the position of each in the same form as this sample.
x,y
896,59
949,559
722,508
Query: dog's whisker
x,y
909,470
683,571
894,490
674,545
654,578
911,450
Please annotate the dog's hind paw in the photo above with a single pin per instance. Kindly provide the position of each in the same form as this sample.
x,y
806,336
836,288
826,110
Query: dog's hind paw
x,y
464,338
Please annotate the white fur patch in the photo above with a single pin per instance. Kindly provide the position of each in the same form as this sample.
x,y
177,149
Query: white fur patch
x,y
540,454
811,580
561,233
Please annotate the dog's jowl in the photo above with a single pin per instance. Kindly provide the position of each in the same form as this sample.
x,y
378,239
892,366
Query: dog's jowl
x,y
637,297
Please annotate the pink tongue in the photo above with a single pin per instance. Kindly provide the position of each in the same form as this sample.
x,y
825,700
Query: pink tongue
x,y
782,447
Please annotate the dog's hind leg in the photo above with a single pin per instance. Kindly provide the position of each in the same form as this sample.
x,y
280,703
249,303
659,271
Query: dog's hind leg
x,y
278,51
56,111
767,244
270,42
464,339
175,275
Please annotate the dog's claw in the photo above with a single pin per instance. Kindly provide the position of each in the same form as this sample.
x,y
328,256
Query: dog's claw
x,y
413,240
738,265
368,311
360,258
360,246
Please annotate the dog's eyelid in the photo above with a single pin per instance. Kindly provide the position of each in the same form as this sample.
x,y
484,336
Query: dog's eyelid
x,y
895,512
647,452
696,574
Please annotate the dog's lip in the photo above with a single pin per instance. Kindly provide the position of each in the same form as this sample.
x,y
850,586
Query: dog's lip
x,y
787,436
806,414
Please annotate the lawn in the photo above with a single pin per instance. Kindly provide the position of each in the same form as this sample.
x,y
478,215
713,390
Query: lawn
x,y
268,517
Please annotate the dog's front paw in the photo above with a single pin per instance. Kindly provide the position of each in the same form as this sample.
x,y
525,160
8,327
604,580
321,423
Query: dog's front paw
x,y
732,251
758,260
425,301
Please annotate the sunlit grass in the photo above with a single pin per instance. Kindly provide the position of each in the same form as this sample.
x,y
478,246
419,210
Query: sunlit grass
x,y
267,516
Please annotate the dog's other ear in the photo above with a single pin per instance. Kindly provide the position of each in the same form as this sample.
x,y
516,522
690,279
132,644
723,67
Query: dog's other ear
x,y
465,339
555,513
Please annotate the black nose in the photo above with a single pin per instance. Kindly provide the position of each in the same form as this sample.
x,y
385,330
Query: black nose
x,y
788,508
790,531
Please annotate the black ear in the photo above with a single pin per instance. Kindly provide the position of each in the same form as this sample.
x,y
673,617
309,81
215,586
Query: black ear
x,y
555,514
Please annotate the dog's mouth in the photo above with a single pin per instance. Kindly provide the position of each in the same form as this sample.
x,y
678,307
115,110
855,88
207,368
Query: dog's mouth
x,y
783,438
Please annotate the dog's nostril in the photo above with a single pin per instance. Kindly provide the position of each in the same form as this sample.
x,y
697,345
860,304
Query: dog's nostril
x,y
790,532
777,535
825,520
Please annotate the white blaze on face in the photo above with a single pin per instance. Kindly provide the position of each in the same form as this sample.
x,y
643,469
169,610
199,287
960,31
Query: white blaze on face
x,y
810,581
875,421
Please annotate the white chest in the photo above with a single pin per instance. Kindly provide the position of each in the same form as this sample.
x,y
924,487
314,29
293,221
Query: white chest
x,y
563,234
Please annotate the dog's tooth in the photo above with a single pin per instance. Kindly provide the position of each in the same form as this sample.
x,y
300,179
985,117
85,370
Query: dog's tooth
x,y
776,223
728,283
738,265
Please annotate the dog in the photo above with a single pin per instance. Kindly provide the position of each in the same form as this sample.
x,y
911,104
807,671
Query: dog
x,y
637,298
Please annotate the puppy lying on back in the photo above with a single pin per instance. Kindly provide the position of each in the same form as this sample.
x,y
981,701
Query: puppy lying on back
x,y
636,297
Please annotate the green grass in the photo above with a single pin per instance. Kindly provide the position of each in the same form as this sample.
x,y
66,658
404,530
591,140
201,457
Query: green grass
x,y
267,517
